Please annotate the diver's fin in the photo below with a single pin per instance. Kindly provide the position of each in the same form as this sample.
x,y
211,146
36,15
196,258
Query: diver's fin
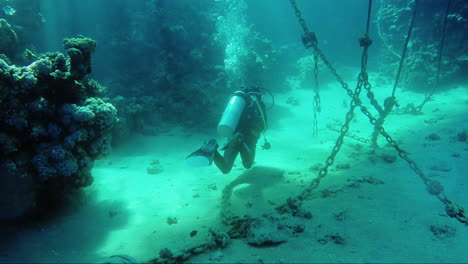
x,y
204,155
200,158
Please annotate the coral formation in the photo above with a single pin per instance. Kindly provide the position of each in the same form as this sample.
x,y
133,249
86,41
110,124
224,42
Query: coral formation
x,y
421,61
8,40
273,229
79,50
17,30
179,80
52,126
181,63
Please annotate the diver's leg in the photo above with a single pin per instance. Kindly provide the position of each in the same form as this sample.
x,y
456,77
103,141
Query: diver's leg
x,y
225,163
247,151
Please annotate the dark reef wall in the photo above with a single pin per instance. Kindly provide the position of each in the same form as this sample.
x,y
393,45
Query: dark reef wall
x,y
53,125
169,64
169,67
19,31
420,68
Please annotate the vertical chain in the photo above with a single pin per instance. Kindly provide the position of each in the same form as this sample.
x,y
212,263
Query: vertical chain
x,y
298,14
429,97
433,187
331,158
317,106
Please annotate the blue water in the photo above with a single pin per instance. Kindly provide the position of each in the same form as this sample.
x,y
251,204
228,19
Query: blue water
x,y
94,139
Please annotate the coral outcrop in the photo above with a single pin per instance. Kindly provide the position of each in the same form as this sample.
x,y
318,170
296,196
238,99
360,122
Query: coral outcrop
x,y
421,61
179,61
53,125
18,30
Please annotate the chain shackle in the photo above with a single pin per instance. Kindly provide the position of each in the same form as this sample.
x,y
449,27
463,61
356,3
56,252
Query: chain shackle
x,y
365,41
309,39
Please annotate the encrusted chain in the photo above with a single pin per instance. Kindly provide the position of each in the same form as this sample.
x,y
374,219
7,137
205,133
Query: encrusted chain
x,y
433,187
238,226
310,41
317,106
299,16
331,158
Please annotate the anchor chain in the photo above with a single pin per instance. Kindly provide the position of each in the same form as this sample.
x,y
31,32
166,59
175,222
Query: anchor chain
x,y
309,40
323,172
317,107
429,97
239,226
433,187
217,239
390,102
299,16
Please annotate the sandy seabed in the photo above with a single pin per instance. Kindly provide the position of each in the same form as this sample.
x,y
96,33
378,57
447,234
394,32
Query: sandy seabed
x,y
145,197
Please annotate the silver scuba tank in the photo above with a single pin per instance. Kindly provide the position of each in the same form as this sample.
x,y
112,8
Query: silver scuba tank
x,y
232,113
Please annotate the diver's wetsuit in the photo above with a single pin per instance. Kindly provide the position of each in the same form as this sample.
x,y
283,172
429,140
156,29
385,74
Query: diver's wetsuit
x,y
245,137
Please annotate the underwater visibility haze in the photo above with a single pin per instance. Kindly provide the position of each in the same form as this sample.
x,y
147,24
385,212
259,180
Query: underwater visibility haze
x,y
233,131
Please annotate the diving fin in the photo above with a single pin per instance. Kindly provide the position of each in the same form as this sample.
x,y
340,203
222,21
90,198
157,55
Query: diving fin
x,y
204,155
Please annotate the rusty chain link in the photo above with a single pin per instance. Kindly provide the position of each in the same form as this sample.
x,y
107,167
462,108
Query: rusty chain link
x,y
299,16
331,158
217,239
349,134
310,41
237,228
429,97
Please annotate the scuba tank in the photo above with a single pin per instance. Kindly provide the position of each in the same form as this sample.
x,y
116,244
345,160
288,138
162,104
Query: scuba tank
x,y
232,113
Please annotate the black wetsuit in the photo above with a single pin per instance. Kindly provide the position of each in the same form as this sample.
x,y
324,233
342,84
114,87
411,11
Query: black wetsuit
x,y
245,137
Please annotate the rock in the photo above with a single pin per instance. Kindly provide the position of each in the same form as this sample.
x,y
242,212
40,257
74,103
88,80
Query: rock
x,y
212,187
193,233
462,136
79,50
154,168
443,231
292,101
273,229
171,220
433,137
336,238
216,256
343,166
316,167
388,158
294,208
441,166
355,182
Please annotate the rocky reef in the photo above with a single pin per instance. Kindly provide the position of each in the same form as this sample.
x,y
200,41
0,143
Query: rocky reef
x,y
178,63
420,69
18,30
53,124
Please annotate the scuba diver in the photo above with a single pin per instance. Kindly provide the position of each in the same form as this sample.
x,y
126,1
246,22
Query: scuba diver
x,y
243,120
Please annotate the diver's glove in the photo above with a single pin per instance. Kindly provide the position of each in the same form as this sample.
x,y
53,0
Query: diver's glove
x,y
266,145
